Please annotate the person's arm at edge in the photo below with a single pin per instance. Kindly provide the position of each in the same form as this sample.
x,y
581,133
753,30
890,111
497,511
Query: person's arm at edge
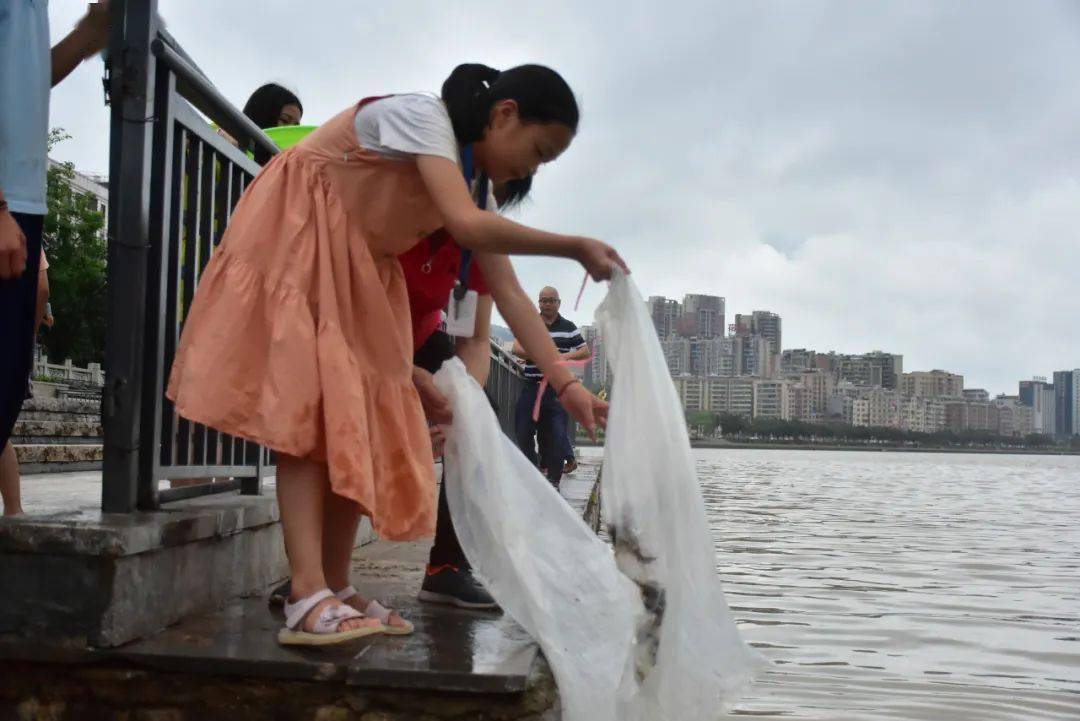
x,y
89,36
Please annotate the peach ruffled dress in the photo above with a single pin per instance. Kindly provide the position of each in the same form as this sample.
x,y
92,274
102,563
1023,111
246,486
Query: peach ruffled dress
x,y
299,335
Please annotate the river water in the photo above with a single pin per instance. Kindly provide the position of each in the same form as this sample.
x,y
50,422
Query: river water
x,y
901,585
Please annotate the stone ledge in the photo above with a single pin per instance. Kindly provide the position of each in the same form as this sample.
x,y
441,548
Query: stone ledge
x,y
86,577
53,429
117,690
59,452
59,416
58,405
92,533
34,469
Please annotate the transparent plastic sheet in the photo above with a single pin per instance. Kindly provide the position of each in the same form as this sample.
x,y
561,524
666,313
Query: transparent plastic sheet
x,y
647,637
539,560
689,660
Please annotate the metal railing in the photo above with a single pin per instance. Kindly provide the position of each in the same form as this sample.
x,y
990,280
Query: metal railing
x,y
504,384
174,181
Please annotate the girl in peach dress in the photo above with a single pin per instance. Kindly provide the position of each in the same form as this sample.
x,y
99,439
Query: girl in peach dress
x,y
299,336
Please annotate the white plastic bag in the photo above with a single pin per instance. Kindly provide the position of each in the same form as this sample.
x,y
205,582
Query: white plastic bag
x,y
690,659
613,659
539,560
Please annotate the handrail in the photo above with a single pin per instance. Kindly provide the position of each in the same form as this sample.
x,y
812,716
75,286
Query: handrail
x,y
508,360
169,40
200,92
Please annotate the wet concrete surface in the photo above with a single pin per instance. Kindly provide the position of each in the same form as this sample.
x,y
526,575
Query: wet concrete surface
x,y
452,649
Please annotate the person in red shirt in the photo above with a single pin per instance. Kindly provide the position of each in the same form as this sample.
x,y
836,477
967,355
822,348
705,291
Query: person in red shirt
x,y
432,268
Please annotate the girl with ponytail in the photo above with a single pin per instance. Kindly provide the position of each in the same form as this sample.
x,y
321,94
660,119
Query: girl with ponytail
x,y
299,336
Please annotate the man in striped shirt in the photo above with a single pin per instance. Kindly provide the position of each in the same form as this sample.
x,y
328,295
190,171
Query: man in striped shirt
x,y
553,421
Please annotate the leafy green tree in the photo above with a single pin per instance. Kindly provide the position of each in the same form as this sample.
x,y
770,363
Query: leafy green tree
x,y
77,249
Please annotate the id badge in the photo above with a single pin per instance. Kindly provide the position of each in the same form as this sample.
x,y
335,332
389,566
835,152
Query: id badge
x,y
461,315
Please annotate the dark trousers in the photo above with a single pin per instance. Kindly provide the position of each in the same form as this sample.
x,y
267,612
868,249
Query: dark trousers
x,y
566,447
551,424
446,550
18,302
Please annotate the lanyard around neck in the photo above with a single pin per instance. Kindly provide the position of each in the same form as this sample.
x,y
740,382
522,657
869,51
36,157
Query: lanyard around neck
x,y
480,195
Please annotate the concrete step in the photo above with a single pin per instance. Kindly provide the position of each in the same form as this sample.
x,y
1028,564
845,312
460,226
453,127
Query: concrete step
x,y
25,428
29,470
58,405
59,416
50,453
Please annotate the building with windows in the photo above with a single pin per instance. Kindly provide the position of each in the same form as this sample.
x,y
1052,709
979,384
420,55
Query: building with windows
x,y
876,408
703,316
922,415
665,315
871,370
596,370
1038,395
1067,403
763,323
772,399
677,356
932,384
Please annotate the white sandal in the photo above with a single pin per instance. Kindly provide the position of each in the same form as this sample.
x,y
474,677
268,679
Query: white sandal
x,y
326,626
377,611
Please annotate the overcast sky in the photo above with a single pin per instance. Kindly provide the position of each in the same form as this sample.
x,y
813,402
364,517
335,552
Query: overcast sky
x,y
899,176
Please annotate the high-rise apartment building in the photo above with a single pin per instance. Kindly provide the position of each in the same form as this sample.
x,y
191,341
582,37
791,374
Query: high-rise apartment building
x,y
772,399
753,356
794,361
877,407
703,316
932,384
596,370
677,355
1067,402
763,323
871,370
665,315
1038,395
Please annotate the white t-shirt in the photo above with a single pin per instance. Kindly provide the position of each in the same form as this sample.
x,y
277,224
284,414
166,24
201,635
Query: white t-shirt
x,y
404,126
25,77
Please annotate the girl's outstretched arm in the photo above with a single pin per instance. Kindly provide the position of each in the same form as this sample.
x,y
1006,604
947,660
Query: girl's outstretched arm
x,y
489,232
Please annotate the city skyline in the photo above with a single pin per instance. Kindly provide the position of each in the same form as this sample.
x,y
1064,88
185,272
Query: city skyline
x,y
743,369
1011,390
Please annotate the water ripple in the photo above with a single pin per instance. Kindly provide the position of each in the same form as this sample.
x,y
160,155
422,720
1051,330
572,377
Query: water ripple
x,y
902,586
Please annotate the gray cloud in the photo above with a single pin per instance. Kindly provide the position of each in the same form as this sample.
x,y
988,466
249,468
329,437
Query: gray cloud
x,y
898,176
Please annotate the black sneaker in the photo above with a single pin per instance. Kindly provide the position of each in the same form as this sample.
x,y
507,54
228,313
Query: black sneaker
x,y
455,587
280,595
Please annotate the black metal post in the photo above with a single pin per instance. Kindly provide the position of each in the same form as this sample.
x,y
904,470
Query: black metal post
x,y
134,27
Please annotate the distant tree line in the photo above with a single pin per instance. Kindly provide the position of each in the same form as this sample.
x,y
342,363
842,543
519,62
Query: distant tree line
x,y
735,427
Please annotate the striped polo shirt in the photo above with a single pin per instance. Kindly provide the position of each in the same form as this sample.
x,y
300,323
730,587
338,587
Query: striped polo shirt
x,y
566,337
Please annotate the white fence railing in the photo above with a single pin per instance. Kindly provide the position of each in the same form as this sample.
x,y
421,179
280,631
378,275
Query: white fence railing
x,y
93,373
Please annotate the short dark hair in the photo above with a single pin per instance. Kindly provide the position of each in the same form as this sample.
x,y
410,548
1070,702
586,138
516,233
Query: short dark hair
x,y
264,109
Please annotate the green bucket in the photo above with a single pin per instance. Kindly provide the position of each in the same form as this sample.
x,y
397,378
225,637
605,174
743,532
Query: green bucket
x,y
286,136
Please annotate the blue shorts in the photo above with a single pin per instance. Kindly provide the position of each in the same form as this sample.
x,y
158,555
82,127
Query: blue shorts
x,y
18,301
